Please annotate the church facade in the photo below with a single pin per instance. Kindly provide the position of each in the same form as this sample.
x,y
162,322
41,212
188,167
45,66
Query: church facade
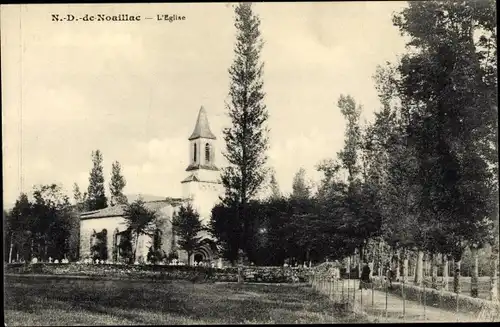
x,y
201,188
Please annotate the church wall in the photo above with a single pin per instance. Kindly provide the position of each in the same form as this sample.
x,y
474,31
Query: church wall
x,y
205,196
87,227
167,213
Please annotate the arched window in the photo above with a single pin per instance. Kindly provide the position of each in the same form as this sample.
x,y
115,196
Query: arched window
x,y
194,153
207,152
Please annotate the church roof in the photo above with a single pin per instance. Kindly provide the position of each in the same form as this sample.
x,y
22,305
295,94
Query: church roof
x,y
202,129
190,178
196,166
119,210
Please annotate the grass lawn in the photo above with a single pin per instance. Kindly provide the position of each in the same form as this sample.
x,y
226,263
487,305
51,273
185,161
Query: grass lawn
x,y
66,301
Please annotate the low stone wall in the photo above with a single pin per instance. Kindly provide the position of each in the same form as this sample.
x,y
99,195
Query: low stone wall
x,y
196,274
274,274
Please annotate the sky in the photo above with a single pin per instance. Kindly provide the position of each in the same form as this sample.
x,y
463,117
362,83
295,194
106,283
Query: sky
x,y
133,89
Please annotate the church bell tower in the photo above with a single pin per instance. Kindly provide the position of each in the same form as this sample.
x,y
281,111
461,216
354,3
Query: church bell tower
x,y
202,185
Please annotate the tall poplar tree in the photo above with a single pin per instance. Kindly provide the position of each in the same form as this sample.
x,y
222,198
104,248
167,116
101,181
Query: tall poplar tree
x,y
116,185
273,185
96,194
247,138
300,187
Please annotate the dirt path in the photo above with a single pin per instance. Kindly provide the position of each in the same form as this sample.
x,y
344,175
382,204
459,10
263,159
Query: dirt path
x,y
374,305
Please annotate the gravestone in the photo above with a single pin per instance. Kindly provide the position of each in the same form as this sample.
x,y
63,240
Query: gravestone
x,y
56,261
34,260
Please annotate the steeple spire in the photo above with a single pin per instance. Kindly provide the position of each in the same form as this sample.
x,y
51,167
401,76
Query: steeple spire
x,y
202,129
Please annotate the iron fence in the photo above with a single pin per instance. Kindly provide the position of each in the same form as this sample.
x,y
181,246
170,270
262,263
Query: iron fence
x,y
383,301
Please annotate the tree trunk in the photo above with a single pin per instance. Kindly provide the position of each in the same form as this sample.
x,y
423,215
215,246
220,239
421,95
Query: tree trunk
x,y
413,267
135,247
434,270
371,265
405,265
419,268
360,261
494,274
10,249
32,249
445,272
398,265
457,287
425,259
474,287
379,258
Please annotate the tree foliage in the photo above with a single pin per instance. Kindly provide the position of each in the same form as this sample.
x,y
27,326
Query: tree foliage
x,y
117,185
155,252
45,227
96,193
187,226
140,221
300,187
246,140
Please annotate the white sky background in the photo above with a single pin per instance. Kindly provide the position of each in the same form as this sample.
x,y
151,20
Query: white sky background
x,y
133,89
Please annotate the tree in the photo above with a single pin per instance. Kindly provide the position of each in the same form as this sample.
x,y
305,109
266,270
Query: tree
x,y
125,250
274,187
99,249
349,154
300,189
155,253
53,222
349,158
187,226
446,91
140,221
80,199
226,230
96,194
17,223
116,185
246,140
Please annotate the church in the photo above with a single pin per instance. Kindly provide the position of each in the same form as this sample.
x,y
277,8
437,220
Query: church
x,y
201,187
